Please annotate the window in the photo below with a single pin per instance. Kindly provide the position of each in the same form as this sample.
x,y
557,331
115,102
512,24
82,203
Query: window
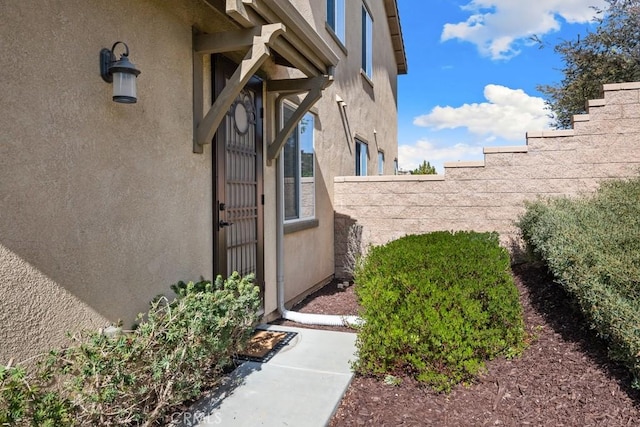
x,y
335,18
380,163
299,168
367,42
362,153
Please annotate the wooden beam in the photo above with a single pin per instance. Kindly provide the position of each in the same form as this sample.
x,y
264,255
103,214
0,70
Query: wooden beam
x,y
236,10
198,98
227,41
252,61
291,86
302,36
291,54
312,97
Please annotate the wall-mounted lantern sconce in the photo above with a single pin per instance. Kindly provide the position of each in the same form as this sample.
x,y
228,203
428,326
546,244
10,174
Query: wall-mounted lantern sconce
x,y
121,73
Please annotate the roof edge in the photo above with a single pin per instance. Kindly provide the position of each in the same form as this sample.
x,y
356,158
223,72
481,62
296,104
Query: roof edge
x,y
395,30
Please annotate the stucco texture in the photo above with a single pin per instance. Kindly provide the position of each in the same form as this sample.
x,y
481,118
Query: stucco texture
x,y
370,114
103,205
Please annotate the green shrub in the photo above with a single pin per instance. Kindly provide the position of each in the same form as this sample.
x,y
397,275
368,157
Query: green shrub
x,y
179,348
181,288
592,246
436,306
23,401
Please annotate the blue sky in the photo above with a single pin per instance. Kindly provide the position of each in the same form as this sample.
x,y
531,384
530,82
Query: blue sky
x,y
473,73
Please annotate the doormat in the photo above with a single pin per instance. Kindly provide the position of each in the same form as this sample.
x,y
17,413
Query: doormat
x,y
265,344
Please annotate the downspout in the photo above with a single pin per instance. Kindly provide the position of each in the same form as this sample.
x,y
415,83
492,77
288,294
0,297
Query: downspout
x,y
295,316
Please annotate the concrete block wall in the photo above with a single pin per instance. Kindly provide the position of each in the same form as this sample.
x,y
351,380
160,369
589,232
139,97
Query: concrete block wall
x,y
489,195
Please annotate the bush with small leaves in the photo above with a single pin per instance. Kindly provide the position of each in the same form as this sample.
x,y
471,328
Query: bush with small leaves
x,y
436,306
24,401
592,246
179,348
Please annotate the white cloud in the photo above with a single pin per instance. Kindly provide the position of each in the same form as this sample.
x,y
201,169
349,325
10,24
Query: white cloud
x,y
411,156
498,27
508,114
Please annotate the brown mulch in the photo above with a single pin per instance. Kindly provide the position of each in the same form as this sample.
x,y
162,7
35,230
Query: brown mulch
x,y
564,378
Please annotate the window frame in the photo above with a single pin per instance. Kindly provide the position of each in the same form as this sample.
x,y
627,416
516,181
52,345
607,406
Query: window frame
x,y
366,63
380,162
336,20
361,157
300,179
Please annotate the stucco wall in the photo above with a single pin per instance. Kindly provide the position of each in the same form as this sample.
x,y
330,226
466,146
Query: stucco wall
x,y
489,195
102,205
309,254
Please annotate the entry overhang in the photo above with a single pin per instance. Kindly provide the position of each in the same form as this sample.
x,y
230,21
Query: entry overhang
x,y
254,58
265,25
301,35
229,41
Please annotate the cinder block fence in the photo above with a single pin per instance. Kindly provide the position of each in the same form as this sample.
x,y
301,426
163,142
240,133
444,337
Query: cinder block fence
x,y
489,195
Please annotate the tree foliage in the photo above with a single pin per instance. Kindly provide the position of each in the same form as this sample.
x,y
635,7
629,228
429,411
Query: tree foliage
x,y
424,169
608,54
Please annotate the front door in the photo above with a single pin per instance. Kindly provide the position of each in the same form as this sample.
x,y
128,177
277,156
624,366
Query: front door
x,y
237,166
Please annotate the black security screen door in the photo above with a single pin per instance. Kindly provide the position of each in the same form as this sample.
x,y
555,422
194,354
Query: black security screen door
x,y
237,165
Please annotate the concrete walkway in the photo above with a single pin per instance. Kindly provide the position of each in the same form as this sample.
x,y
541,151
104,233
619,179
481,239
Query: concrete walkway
x,y
301,385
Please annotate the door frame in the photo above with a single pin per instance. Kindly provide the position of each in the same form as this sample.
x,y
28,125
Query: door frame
x,y
221,68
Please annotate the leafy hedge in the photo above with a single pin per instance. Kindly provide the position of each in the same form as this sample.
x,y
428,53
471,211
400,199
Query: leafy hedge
x,y
179,348
436,306
592,246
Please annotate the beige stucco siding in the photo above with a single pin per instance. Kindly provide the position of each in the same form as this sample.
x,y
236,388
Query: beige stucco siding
x,y
370,113
102,205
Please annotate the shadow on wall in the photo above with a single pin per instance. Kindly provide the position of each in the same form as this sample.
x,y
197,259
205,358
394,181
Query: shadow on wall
x,y
517,248
102,205
347,245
